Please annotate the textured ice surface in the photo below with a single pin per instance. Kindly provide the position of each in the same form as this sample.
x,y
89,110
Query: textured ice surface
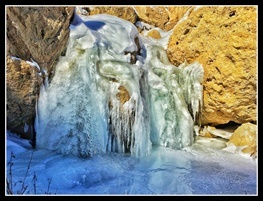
x,y
79,112
204,170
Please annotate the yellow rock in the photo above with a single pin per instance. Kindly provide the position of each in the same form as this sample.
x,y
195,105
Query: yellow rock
x,y
164,17
154,34
123,95
245,137
124,12
23,82
206,132
224,40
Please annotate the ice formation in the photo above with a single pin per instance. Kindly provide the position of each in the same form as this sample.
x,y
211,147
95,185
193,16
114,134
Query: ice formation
x,y
113,92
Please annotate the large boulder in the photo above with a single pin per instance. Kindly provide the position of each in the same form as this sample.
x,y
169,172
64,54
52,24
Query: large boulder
x,y
34,34
244,139
22,82
224,40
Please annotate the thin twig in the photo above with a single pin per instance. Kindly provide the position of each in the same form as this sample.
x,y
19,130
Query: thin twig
x,y
49,182
23,187
34,182
10,182
8,189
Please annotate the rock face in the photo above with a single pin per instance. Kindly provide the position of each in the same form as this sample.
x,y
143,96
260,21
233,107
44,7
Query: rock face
x,y
164,17
38,33
126,13
223,40
22,81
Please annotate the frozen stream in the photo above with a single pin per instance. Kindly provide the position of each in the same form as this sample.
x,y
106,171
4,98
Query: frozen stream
x,y
200,169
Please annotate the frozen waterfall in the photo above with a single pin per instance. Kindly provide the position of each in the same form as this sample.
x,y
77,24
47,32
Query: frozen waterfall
x,y
114,92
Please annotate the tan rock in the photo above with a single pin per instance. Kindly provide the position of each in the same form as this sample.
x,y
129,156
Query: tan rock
x,y
154,34
223,133
223,39
164,17
123,12
22,81
123,95
176,13
245,138
153,15
207,131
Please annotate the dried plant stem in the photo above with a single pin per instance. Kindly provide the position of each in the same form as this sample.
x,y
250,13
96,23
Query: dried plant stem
x,y
9,183
23,187
49,182
34,182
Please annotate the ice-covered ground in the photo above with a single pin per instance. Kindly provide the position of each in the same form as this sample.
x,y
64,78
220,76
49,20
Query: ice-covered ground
x,y
203,169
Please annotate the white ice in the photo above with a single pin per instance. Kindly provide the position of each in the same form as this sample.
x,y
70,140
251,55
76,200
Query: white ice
x,y
79,113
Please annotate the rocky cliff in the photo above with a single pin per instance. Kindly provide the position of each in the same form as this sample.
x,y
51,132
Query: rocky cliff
x,y
34,34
